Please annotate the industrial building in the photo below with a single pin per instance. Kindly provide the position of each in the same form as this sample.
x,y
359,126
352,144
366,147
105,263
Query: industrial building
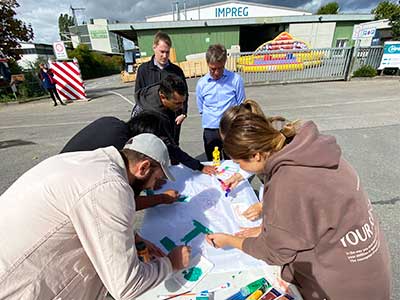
x,y
33,52
238,24
97,36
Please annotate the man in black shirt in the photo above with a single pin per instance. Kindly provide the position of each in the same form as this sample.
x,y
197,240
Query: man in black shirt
x,y
103,132
158,68
111,131
164,99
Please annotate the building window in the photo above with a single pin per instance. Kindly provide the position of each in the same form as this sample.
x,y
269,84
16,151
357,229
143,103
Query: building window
x,y
341,43
28,51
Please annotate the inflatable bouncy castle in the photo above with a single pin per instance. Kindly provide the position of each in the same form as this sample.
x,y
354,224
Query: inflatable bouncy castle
x,y
283,53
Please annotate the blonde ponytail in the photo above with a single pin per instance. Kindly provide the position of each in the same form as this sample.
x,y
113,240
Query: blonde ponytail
x,y
251,133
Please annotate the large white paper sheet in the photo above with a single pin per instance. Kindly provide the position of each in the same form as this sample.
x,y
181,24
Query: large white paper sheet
x,y
209,206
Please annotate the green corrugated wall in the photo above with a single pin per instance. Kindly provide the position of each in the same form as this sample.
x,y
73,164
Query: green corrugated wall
x,y
344,30
191,40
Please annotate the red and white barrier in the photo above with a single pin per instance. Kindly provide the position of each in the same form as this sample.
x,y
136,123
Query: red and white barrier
x,y
69,83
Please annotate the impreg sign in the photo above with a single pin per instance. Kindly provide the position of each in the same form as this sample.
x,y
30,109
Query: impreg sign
x,y
391,55
231,11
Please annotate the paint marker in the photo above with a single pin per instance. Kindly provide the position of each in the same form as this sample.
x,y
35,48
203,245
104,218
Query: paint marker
x,y
225,187
213,243
204,295
183,198
172,296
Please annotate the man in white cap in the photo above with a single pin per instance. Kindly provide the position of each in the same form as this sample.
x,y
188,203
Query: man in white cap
x,y
66,225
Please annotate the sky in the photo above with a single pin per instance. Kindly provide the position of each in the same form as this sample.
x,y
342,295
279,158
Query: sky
x,y
43,14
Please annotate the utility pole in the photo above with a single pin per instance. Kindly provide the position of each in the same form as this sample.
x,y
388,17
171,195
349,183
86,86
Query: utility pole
x,y
184,9
178,11
73,9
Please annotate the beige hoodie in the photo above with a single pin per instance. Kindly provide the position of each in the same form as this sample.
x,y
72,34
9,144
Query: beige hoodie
x,y
319,225
66,228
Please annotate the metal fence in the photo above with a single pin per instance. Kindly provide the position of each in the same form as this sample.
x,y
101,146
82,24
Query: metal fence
x,y
26,86
301,65
368,56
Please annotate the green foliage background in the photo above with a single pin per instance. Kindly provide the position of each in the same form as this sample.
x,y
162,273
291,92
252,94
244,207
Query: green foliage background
x,y
365,71
94,64
389,10
331,8
12,30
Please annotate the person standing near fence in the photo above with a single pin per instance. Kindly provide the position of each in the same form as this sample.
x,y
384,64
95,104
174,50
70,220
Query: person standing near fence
x,y
216,92
46,77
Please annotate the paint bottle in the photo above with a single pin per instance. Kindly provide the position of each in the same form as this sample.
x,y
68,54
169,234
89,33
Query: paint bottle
x,y
216,157
254,286
236,296
142,252
256,295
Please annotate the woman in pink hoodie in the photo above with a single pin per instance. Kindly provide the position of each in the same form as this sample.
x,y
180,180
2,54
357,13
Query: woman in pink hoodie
x,y
318,223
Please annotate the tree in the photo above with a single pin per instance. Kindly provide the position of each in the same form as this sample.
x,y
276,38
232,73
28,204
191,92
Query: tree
x,y
12,30
331,8
391,11
94,64
64,21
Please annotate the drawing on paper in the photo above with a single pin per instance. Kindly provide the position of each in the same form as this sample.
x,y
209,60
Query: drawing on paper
x,y
199,267
167,243
192,274
183,198
198,229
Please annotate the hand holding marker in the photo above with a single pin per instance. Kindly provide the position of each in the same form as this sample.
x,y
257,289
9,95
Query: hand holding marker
x,y
225,187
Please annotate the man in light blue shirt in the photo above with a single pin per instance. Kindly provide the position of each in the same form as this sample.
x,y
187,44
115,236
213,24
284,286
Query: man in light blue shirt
x,y
216,92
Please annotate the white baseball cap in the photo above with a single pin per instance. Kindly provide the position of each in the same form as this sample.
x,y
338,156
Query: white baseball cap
x,y
152,146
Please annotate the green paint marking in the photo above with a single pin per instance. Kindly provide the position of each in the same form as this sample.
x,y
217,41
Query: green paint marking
x,y
192,274
183,199
167,243
198,228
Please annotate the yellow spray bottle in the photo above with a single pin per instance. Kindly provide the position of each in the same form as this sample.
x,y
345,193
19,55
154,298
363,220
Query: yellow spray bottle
x,y
216,157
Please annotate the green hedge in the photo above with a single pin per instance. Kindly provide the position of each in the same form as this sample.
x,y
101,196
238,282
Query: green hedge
x,y
365,71
95,65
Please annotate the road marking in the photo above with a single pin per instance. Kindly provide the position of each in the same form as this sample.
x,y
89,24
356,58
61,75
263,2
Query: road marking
x,y
123,97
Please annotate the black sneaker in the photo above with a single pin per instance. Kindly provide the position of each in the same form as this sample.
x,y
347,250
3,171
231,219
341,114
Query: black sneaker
x,y
55,104
62,103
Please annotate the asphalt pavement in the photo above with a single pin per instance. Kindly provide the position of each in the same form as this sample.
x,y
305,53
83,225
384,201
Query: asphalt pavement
x,y
364,116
